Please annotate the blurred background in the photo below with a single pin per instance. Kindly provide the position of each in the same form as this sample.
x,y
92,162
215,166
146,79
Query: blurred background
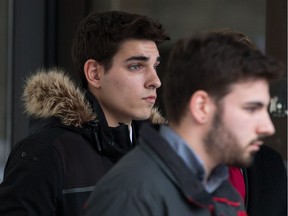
x,y
38,33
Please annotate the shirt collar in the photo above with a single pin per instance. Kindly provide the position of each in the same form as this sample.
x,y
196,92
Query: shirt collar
x,y
193,161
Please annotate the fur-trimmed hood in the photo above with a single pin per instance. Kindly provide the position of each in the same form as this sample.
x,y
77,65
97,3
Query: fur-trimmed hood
x,y
52,93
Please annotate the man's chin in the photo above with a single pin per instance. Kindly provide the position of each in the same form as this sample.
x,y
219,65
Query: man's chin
x,y
249,161
245,162
142,117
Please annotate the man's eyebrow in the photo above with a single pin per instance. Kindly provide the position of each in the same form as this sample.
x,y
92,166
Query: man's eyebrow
x,y
140,58
255,103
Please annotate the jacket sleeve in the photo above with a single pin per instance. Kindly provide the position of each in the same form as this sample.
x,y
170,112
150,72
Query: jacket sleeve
x,y
123,202
31,183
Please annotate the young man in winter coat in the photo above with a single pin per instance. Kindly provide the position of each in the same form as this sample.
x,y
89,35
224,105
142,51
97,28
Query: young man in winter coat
x,y
216,95
79,133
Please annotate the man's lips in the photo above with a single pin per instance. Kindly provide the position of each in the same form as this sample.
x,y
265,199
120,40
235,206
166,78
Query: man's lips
x,y
256,144
150,99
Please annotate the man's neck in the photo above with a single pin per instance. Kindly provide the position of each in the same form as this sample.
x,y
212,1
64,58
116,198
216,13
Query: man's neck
x,y
112,122
195,142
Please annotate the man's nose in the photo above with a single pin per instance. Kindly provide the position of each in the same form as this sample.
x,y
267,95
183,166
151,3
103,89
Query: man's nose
x,y
266,126
153,80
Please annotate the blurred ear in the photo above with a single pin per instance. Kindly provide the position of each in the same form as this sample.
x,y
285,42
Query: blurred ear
x,y
93,70
200,106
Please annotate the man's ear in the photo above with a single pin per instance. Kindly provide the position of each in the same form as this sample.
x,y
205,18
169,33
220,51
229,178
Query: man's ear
x,y
92,70
200,106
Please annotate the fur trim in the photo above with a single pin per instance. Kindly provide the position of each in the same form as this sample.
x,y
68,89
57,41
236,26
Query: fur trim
x,y
52,93
156,117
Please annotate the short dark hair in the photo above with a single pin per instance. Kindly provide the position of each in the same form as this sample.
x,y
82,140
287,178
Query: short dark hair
x,y
211,62
100,35
239,36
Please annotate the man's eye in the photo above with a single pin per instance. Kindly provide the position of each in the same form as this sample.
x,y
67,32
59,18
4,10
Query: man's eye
x,y
251,109
134,67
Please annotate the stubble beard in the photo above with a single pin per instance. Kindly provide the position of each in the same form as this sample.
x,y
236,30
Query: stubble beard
x,y
224,147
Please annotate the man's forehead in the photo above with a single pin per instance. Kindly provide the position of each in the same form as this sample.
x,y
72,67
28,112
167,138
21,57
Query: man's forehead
x,y
138,47
253,90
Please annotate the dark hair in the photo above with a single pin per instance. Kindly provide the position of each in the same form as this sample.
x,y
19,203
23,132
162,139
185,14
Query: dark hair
x,y
100,35
211,62
239,36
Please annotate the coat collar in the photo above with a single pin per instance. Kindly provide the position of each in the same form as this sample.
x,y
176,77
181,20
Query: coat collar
x,y
180,174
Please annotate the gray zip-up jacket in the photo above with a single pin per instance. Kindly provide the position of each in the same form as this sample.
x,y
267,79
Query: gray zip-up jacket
x,y
152,180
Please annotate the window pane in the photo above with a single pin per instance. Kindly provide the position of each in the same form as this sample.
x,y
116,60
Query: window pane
x,y
4,145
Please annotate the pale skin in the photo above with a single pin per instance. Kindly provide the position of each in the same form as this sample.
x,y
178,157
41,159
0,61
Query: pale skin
x,y
127,91
243,121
